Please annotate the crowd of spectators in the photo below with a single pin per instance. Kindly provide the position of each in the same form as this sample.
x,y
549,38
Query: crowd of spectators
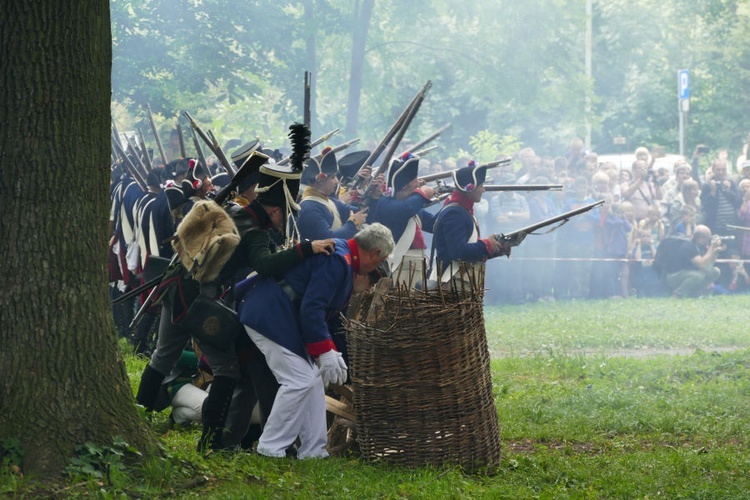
x,y
608,252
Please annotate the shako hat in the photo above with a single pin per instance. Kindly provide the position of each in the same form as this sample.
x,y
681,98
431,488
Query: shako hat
x,y
241,154
402,171
466,179
350,164
317,170
278,186
221,180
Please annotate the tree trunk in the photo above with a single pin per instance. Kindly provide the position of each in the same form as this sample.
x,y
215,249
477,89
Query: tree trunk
x,y
360,26
64,381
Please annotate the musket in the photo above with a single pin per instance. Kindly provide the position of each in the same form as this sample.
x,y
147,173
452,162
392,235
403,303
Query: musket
x,y
131,146
448,173
211,142
306,116
515,238
387,138
134,172
144,150
429,139
426,150
523,187
316,142
221,156
252,163
156,135
738,228
402,130
324,138
199,151
181,139
338,148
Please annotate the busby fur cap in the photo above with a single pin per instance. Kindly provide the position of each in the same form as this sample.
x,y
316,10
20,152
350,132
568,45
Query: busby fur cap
x,y
466,179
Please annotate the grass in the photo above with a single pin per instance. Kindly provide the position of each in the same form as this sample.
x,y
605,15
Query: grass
x,y
592,400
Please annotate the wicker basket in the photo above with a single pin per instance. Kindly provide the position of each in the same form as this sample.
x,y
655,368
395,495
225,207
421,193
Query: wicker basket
x,y
420,370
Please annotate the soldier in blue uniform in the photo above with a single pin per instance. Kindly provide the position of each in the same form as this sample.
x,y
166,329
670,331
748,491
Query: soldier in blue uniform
x,y
322,215
402,211
456,231
287,318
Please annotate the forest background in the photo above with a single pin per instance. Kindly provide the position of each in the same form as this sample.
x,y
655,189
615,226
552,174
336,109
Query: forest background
x,y
503,72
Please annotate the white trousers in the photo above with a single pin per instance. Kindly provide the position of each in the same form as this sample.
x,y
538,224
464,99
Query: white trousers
x,y
300,406
187,404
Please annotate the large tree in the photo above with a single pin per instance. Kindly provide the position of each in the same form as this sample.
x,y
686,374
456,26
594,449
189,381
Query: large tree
x,y
64,382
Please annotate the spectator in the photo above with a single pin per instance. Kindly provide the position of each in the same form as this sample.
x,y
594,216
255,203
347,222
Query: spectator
x,y
538,273
508,211
641,191
644,278
720,199
688,265
672,189
685,225
743,218
689,196
617,231
653,223
576,242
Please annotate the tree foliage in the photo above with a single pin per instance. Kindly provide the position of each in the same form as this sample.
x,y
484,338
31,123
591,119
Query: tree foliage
x,y
515,68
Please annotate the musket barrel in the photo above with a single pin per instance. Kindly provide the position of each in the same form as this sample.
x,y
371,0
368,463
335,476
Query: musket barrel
x,y
523,187
564,217
181,139
156,135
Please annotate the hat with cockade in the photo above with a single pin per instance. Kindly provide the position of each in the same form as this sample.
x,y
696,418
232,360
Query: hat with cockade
x,y
467,179
402,171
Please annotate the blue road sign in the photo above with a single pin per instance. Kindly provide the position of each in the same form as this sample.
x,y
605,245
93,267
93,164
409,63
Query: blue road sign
x,y
683,84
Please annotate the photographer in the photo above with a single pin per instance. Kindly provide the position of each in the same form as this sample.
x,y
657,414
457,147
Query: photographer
x,y
720,199
688,264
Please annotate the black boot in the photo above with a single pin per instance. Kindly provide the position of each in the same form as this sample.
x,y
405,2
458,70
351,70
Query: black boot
x,y
149,388
215,410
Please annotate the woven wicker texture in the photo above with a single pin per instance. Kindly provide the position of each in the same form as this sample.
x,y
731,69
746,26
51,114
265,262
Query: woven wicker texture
x,y
420,370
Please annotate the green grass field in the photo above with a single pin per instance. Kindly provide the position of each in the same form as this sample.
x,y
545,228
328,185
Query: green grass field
x,y
639,398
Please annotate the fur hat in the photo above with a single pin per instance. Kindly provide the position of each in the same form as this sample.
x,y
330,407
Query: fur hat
x,y
205,240
402,171
466,179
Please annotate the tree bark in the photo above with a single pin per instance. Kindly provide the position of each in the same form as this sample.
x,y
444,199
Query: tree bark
x,y
361,24
64,382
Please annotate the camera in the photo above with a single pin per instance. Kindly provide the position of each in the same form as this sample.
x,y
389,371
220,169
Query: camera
x,y
703,149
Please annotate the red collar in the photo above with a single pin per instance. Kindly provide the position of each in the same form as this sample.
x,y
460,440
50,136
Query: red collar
x,y
354,252
462,199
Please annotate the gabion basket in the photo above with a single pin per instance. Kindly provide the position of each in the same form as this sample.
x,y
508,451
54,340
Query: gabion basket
x,y
420,370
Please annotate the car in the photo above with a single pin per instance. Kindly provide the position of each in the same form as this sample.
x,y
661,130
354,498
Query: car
x,y
624,161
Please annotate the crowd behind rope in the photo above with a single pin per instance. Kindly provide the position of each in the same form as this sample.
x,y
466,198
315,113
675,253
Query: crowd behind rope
x,y
609,252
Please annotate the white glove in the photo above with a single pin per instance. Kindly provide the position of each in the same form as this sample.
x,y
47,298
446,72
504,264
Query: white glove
x,y
332,368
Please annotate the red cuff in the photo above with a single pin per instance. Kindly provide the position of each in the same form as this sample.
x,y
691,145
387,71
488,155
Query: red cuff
x,y
421,193
317,348
487,245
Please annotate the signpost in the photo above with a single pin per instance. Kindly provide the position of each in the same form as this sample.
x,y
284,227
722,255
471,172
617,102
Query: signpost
x,y
683,103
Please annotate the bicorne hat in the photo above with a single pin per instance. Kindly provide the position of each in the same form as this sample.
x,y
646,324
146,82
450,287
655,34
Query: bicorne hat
x,y
467,179
402,171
